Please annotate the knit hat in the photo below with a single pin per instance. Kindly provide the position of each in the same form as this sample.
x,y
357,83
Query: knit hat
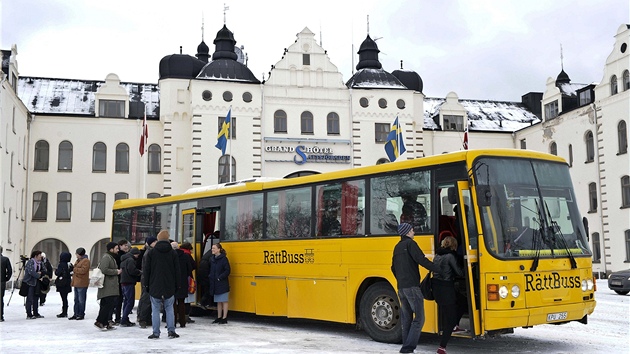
x,y
150,240
111,245
134,251
162,235
404,228
81,251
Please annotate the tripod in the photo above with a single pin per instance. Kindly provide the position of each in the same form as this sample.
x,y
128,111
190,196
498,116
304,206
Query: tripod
x,y
23,262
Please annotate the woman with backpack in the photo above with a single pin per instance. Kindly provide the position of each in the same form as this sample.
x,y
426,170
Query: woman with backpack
x,y
64,279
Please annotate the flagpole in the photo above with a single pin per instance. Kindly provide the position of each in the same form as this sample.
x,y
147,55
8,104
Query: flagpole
x,y
144,156
230,146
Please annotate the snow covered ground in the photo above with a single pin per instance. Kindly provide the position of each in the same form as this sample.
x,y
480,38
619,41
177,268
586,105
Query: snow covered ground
x,y
607,332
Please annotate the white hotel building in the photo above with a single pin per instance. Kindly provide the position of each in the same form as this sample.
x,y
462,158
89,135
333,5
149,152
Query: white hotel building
x,y
70,147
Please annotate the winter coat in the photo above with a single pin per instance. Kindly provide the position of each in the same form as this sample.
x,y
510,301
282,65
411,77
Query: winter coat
x,y
130,274
186,266
30,273
63,273
219,272
407,256
447,261
81,273
160,270
6,270
204,269
47,268
110,270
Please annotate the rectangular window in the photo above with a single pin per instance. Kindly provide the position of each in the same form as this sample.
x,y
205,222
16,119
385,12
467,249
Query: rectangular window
x,y
332,124
523,144
40,206
111,108
592,197
232,126
340,208
289,213
551,110
244,217
454,123
597,250
98,207
306,59
585,97
381,130
627,239
404,197
64,206
142,220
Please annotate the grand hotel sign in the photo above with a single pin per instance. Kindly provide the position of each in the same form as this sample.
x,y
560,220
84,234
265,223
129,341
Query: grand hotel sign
x,y
301,154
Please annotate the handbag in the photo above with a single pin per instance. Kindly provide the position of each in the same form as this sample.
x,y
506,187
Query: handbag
x,y
426,287
192,285
97,278
24,289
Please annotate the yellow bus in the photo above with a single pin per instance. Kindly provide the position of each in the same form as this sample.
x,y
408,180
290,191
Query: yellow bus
x,y
320,246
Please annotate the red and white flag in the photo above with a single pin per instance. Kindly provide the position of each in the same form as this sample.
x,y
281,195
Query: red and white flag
x,y
465,143
144,136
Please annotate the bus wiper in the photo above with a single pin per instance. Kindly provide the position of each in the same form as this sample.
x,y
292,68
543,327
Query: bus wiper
x,y
555,230
538,239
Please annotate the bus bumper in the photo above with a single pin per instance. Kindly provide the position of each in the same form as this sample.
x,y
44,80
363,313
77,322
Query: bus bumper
x,y
500,319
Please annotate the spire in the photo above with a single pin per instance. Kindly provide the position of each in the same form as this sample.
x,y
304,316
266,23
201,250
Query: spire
x,y
203,51
225,8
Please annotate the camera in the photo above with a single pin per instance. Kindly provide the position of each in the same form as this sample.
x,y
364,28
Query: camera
x,y
23,258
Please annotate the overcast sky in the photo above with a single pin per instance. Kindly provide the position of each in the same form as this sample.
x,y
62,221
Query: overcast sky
x,y
496,50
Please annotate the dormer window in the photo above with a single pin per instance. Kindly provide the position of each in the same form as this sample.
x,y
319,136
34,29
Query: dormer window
x,y
306,59
112,108
454,123
551,110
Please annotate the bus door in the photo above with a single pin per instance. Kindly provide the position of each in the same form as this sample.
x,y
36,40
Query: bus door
x,y
464,215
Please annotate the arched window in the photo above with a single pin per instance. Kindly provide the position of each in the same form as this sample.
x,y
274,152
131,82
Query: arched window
x,y
53,248
99,157
590,147
121,195
622,136
553,148
625,191
41,156
382,160
153,195
98,206
332,123
570,155
613,85
592,197
40,206
155,159
65,156
226,171
64,206
97,251
626,80
122,158
280,121
627,241
597,247
306,120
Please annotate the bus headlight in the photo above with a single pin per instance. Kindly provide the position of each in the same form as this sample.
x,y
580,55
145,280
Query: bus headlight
x,y
584,286
503,291
589,284
516,291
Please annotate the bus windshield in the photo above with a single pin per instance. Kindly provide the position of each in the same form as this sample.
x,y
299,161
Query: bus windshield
x,y
533,212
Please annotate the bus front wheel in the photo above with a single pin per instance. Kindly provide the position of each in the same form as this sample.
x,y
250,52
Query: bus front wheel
x,y
380,313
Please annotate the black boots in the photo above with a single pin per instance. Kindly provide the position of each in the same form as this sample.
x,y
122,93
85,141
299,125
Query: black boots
x,y
64,312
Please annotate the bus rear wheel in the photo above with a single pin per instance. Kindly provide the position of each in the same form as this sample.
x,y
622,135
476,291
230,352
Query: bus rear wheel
x,y
380,313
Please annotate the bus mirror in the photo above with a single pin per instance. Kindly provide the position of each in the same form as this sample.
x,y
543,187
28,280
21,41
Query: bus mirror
x,y
484,196
585,222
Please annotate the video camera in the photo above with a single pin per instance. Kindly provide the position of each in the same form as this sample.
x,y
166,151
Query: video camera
x,y
23,258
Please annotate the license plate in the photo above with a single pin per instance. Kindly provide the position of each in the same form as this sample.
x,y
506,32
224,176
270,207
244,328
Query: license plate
x,y
556,316
615,282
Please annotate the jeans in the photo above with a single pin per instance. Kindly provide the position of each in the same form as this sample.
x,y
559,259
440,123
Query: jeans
x,y
411,315
155,314
80,295
32,302
129,297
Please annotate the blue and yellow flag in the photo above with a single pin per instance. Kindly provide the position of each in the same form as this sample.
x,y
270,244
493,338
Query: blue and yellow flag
x,y
224,134
395,145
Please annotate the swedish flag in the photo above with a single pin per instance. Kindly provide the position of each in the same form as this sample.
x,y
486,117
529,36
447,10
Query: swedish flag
x,y
395,145
224,134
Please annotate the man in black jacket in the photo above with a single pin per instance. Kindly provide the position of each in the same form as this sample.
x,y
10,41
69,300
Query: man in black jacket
x,y
407,256
7,271
161,274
